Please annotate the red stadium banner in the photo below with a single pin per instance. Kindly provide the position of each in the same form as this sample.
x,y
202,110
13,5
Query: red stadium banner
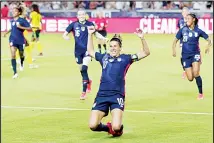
x,y
122,25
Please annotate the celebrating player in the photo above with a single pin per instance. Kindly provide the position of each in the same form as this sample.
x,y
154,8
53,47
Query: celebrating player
x,y
36,23
111,94
17,39
101,24
79,29
181,24
191,57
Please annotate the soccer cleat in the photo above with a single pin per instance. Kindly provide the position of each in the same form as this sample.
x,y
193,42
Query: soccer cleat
x,y
88,90
117,134
15,76
200,96
183,75
83,96
110,131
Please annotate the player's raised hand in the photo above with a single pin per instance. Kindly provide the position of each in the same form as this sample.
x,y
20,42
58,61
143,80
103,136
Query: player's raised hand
x,y
139,33
91,29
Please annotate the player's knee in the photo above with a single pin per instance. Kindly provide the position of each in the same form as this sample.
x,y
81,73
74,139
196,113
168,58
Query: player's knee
x,y
86,61
93,126
190,79
196,73
116,127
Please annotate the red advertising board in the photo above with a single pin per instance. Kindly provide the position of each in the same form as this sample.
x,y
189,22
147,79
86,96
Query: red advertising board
x,y
122,25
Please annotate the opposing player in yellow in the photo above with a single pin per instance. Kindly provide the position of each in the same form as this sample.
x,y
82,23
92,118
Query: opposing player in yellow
x,y
36,24
28,45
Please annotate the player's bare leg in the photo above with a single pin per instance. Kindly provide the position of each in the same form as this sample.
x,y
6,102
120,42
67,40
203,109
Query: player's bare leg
x,y
196,74
189,74
117,115
95,121
13,61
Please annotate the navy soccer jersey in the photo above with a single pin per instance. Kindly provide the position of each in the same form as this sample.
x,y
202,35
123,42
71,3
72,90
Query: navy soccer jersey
x,y
16,36
80,35
113,73
190,39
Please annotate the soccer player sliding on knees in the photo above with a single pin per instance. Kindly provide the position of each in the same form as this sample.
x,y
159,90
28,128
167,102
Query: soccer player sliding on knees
x,y
191,57
111,94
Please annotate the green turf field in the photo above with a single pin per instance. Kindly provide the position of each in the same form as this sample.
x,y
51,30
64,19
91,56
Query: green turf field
x,y
44,101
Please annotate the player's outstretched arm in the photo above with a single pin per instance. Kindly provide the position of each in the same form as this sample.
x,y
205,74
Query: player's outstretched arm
x,y
144,52
174,47
90,45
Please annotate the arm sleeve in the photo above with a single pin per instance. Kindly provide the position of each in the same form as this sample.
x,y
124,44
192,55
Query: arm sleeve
x,y
70,27
99,57
131,58
179,34
203,34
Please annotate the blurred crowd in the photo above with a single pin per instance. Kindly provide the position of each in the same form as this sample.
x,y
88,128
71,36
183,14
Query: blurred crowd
x,y
111,5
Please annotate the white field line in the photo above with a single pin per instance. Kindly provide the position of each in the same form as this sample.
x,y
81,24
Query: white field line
x,y
58,55
132,111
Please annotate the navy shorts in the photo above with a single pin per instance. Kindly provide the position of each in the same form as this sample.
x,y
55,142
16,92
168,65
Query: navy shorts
x,y
79,57
106,103
36,33
103,33
189,59
20,47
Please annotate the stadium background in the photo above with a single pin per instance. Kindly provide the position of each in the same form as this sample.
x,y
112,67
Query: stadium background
x,y
43,105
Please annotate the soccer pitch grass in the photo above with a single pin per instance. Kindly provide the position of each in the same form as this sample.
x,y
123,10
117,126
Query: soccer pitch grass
x,y
153,84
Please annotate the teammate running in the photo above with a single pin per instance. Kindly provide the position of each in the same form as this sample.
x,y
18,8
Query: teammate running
x,y
111,94
80,32
17,39
191,57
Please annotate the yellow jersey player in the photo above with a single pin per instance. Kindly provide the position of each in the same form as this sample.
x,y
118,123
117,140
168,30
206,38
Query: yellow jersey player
x,y
36,24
